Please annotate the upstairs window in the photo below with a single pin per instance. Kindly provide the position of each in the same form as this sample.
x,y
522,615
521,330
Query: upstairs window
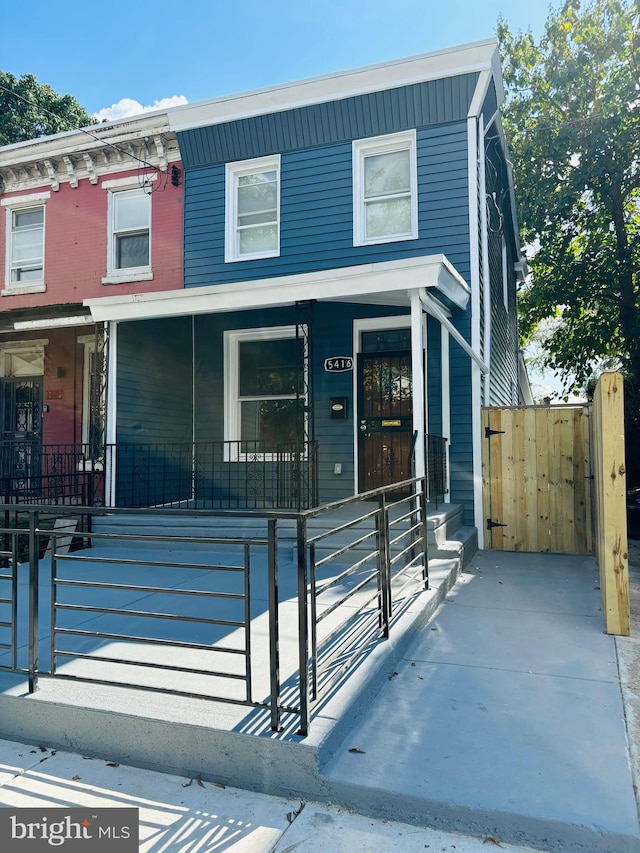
x,y
27,245
252,209
25,221
129,229
131,215
385,204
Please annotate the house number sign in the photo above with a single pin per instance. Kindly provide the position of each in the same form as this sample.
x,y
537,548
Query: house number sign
x,y
338,363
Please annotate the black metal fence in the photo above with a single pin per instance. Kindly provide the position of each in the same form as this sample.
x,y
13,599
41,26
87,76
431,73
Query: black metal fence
x,y
204,475
436,456
215,474
32,473
208,475
123,612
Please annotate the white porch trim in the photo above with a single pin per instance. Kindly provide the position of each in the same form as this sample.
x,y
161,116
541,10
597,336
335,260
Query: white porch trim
x,y
385,283
110,426
445,428
476,370
418,385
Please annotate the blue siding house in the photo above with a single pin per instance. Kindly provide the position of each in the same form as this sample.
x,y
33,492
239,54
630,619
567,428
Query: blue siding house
x,y
350,266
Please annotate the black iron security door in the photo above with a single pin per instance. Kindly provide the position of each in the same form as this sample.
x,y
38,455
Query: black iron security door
x,y
22,432
385,418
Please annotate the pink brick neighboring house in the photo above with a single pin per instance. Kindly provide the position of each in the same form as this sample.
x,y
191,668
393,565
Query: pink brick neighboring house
x,y
83,215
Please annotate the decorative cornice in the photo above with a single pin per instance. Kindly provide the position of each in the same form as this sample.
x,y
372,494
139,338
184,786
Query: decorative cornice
x,y
71,158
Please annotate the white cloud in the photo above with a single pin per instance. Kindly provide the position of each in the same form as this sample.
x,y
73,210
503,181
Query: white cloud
x,y
126,107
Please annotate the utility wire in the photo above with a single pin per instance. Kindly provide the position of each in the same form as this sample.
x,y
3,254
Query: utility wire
x,y
88,133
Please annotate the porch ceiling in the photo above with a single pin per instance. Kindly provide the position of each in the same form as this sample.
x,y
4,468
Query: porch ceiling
x,y
386,283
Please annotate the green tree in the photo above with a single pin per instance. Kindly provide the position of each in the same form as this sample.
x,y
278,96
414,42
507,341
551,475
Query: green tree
x,y
29,109
573,121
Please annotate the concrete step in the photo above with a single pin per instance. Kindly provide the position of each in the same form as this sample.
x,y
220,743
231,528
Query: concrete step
x,y
461,545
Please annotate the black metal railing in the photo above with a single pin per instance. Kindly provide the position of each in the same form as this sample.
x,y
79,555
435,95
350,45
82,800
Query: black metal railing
x,y
173,613
436,464
65,474
436,454
215,474
207,475
361,571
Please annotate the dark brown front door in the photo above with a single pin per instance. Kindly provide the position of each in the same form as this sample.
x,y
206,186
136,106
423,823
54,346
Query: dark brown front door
x,y
385,418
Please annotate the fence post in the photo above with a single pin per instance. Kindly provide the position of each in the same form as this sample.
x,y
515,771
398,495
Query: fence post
x,y
274,629
303,623
610,501
33,600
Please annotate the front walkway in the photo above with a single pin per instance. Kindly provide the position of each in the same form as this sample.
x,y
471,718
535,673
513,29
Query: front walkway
x,y
505,716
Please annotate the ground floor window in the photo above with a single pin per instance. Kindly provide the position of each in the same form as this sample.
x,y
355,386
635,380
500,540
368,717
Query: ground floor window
x,y
264,390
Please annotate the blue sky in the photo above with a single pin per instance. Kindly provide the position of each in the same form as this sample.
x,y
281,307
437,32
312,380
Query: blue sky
x,y
147,51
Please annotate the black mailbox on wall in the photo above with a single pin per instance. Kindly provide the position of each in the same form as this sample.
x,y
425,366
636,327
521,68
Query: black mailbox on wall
x,y
339,408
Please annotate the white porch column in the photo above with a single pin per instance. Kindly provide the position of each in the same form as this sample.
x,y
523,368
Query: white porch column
x,y
418,382
446,400
110,426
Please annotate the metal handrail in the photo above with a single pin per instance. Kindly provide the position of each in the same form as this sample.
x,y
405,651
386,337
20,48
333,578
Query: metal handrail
x,y
370,576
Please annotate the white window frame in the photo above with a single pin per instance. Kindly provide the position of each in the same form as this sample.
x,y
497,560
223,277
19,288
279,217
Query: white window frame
x,y
388,144
21,204
234,171
232,399
118,275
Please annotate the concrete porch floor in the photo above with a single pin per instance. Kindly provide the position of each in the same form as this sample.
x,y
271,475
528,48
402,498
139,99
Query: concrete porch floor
x,y
501,716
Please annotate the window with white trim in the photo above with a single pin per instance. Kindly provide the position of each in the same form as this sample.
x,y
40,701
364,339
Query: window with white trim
x,y
25,242
252,215
264,388
385,198
129,232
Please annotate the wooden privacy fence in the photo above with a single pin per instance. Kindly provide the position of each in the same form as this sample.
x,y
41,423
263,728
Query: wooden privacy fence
x,y
554,479
536,479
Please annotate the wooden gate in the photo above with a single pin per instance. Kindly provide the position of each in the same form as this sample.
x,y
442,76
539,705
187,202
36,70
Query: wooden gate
x,y
537,479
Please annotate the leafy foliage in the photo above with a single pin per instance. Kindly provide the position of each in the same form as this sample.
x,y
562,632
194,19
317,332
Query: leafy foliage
x,y
573,120
31,109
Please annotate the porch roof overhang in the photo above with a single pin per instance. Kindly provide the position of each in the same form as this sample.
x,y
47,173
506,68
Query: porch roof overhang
x,y
386,283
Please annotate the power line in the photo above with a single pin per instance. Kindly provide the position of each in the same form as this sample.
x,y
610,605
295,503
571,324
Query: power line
x,y
144,163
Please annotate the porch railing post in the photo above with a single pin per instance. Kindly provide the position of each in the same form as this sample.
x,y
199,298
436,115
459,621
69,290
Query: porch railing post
x,y
33,600
425,532
274,628
303,624
384,564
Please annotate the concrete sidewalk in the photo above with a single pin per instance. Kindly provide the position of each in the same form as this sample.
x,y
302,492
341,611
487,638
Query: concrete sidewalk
x,y
184,815
503,720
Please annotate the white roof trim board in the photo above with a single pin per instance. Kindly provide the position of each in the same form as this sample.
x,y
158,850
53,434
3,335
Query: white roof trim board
x,y
385,283
464,59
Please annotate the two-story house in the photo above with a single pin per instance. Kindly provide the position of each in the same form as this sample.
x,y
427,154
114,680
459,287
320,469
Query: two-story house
x,y
84,213
350,265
